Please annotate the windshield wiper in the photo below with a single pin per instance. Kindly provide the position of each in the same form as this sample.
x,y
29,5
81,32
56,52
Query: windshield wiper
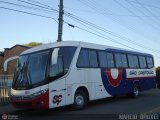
x,y
22,77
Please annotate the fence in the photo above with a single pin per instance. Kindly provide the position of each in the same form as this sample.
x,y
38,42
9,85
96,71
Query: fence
x,y
5,88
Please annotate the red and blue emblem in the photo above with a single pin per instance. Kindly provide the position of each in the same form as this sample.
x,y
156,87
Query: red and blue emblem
x,y
114,80
114,76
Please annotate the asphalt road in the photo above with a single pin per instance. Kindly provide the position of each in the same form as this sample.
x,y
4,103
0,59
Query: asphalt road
x,y
147,103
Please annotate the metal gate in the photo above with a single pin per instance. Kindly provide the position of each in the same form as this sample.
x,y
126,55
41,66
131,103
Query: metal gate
x,y
5,88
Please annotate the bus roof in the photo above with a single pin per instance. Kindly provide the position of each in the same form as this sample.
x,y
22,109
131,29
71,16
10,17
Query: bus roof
x,y
51,45
81,44
127,52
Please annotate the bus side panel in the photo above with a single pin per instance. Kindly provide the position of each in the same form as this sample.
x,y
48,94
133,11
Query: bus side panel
x,y
88,78
145,78
147,83
95,78
114,80
119,81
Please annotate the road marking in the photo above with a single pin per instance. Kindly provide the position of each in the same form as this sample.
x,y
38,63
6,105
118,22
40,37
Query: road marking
x,y
152,111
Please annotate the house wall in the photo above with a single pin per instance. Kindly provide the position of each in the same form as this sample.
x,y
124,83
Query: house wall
x,y
1,66
11,52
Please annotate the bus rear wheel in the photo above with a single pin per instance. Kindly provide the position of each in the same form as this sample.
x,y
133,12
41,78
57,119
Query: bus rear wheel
x,y
136,91
80,100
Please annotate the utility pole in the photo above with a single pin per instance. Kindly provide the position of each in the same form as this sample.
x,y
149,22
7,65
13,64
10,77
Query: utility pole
x,y
60,20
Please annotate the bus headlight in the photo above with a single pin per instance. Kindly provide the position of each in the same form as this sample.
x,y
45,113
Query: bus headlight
x,y
39,93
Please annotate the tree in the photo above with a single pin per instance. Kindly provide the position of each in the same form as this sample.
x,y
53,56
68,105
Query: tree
x,y
33,44
158,76
158,68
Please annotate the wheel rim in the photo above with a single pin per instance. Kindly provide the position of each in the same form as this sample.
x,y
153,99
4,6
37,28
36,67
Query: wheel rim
x,y
136,91
79,100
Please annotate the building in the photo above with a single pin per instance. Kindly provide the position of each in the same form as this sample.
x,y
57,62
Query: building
x,y
10,52
1,62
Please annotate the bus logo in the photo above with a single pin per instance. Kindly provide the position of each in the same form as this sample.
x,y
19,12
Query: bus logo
x,y
27,92
57,99
114,76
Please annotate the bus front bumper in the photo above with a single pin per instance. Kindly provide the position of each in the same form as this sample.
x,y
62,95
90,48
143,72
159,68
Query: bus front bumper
x,y
39,102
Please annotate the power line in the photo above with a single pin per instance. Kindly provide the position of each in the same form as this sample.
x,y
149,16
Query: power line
x,y
23,6
107,38
99,34
101,11
102,29
44,7
151,6
110,39
121,37
15,10
142,13
143,20
40,4
119,15
109,32
147,9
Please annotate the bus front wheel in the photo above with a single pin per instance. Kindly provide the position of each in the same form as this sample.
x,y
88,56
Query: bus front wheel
x,y
80,100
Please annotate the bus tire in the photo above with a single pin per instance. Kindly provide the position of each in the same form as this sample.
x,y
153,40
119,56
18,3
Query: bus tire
x,y
80,100
136,90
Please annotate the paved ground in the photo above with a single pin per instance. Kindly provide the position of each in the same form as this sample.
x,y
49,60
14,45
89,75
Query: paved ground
x,y
147,103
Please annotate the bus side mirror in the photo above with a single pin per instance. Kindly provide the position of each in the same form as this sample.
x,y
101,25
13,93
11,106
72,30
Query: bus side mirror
x,y
54,56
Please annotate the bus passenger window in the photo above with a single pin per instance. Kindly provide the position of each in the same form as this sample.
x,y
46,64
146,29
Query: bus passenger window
x,y
124,60
118,60
57,69
121,60
130,60
103,59
150,62
142,61
110,60
83,60
133,61
93,59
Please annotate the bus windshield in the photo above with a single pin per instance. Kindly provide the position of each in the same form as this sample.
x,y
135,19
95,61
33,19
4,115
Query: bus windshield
x,y
30,70
33,69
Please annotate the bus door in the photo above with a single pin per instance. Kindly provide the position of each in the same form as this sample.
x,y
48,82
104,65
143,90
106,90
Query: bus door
x,y
57,92
57,85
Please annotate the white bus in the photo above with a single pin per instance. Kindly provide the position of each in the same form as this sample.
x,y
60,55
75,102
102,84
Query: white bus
x,y
72,72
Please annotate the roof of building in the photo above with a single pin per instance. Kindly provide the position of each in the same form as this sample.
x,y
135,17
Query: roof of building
x,y
1,53
16,46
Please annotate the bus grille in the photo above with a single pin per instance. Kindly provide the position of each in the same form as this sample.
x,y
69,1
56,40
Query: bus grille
x,y
25,105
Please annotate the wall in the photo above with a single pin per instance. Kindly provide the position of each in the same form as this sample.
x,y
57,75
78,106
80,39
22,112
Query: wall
x,y
11,52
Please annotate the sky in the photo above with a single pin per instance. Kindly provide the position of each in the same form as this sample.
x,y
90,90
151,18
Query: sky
x,y
129,24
